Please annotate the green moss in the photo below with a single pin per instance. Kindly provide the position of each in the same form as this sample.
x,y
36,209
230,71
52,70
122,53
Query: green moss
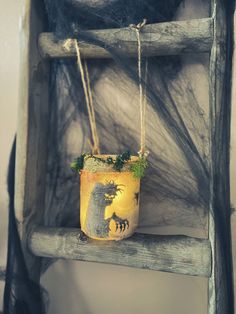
x,y
138,167
121,159
126,156
78,164
110,160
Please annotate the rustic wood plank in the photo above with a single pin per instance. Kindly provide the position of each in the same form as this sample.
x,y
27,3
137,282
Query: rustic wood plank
x,y
221,298
31,146
157,39
95,3
175,254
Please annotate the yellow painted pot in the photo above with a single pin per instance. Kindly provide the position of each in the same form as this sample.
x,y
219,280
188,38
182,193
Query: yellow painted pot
x,y
109,200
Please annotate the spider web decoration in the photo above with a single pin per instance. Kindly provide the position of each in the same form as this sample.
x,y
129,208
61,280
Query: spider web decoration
x,y
175,189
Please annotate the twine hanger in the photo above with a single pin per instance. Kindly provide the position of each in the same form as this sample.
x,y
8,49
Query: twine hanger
x,y
88,94
142,95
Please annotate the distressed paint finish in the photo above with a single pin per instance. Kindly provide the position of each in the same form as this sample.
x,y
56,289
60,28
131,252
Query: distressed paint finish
x,y
157,39
96,224
109,201
221,282
31,147
175,254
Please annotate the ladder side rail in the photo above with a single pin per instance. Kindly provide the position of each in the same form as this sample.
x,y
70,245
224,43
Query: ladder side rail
x,y
220,289
31,144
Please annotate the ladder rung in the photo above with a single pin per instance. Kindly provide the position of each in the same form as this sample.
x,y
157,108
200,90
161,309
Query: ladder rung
x,y
175,254
170,38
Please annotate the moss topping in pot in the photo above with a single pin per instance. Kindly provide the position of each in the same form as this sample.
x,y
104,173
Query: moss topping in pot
x,y
109,163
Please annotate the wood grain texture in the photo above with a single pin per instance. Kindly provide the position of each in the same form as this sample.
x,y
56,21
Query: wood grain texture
x,y
175,254
95,3
157,39
31,146
221,298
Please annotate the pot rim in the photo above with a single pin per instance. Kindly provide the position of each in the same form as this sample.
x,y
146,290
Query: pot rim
x,y
96,165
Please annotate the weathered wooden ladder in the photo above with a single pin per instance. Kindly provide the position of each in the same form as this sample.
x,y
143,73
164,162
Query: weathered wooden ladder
x,y
176,254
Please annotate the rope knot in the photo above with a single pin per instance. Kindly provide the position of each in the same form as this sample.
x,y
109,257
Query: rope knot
x,y
69,44
139,26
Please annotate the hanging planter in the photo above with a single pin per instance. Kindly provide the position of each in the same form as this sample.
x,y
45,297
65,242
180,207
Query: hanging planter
x,y
110,184
109,194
